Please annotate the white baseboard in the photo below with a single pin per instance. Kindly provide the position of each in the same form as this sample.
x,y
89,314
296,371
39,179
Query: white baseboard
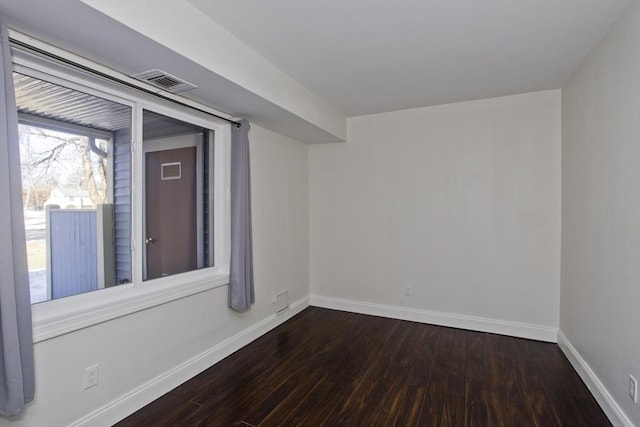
x,y
608,404
167,381
482,324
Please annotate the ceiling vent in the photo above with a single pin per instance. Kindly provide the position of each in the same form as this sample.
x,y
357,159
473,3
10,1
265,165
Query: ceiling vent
x,y
164,81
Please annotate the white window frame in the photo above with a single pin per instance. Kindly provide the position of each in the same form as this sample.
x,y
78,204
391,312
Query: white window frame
x,y
64,315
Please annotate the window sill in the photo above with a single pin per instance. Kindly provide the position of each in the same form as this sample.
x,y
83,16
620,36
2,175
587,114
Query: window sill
x,y
58,317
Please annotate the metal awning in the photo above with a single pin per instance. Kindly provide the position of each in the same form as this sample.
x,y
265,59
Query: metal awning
x,y
44,99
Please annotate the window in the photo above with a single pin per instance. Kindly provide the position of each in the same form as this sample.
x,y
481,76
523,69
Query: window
x,y
177,198
124,194
75,186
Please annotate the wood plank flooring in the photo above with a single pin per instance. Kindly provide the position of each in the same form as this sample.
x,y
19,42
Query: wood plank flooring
x,y
332,368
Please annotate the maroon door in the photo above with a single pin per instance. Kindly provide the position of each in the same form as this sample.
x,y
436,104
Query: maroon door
x,y
171,217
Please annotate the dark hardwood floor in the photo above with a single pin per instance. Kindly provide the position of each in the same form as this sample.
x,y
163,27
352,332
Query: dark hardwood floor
x,y
333,368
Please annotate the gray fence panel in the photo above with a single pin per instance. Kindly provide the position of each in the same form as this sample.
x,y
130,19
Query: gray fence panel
x,y
73,252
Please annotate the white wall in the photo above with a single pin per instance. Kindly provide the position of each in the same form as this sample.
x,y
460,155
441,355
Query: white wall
x,y
460,201
600,294
135,349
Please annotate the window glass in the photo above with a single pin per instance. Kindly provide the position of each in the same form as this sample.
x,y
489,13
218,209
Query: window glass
x,y
76,179
178,196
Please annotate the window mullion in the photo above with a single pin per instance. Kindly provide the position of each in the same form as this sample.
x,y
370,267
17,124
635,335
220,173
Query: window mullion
x,y
137,198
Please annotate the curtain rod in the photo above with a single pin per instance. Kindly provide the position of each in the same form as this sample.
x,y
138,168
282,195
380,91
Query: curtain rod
x,y
74,64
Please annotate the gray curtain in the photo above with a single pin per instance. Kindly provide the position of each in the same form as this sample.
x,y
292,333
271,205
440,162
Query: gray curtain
x,y
241,292
16,345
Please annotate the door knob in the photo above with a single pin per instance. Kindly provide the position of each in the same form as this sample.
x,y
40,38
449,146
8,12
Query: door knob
x,y
149,240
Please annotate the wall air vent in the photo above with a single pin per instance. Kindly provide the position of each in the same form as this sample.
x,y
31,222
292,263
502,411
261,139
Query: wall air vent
x,y
280,302
164,81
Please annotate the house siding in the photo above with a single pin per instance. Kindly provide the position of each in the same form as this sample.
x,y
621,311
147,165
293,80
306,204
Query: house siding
x,y
122,204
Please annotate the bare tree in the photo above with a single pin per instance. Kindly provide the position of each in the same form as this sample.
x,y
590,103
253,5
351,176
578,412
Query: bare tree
x,y
37,182
95,173
61,155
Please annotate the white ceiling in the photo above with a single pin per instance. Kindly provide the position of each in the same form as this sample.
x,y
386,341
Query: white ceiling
x,y
79,28
369,56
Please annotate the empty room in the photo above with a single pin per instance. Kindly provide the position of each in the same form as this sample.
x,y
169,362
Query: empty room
x,y
317,212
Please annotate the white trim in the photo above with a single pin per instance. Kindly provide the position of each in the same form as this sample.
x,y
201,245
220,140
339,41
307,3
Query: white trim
x,y
608,404
210,143
138,233
141,396
222,197
473,323
64,315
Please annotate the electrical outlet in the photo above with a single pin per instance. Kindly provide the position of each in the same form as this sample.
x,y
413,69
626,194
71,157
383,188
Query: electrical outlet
x,y
407,290
90,376
633,389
